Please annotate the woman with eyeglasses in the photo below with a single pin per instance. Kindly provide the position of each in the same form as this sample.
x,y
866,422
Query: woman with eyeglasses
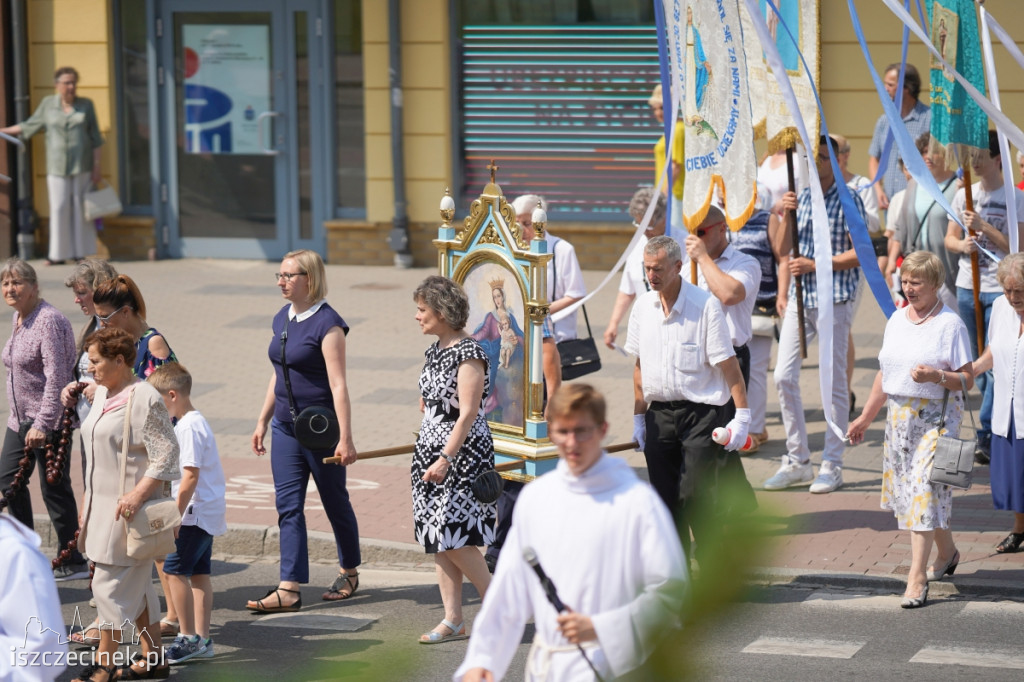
x,y
309,335
118,303
73,154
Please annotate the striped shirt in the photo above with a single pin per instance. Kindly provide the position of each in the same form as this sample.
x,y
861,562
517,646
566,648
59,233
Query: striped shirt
x,y
918,122
844,282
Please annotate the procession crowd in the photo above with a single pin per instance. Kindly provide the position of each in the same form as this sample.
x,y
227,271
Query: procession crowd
x,y
702,311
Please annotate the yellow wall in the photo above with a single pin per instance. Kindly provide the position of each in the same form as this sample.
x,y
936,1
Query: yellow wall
x,y
72,33
426,114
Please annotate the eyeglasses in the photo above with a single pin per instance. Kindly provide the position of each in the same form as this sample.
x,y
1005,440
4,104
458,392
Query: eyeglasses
x,y
287,276
104,319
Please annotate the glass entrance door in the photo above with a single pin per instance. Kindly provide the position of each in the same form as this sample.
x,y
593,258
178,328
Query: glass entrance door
x,y
239,114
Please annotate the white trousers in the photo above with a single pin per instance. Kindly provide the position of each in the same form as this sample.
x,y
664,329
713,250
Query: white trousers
x,y
787,380
757,390
71,236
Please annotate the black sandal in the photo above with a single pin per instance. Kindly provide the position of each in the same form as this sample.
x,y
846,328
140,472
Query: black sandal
x,y
1010,543
280,608
342,582
90,670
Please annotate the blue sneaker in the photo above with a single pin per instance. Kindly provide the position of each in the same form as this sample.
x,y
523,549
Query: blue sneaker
x,y
183,649
205,649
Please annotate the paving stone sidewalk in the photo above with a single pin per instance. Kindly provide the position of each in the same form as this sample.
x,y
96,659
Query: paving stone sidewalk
x,y
216,316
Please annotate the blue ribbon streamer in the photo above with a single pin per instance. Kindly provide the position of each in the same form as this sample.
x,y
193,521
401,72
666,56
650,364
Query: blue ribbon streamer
x,y
666,99
857,227
883,161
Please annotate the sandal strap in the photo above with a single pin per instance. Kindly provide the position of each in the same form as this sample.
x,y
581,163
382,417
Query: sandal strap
x,y
452,626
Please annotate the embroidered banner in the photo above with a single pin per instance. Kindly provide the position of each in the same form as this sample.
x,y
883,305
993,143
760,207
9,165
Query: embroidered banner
x,y
956,118
770,112
709,69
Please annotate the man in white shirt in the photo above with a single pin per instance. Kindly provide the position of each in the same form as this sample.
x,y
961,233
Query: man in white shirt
x,y
686,372
729,275
607,545
565,279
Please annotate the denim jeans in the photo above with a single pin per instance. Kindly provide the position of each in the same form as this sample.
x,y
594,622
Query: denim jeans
x,y
965,301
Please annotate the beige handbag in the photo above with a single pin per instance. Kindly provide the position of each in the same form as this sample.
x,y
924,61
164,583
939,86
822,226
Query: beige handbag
x,y
151,528
102,202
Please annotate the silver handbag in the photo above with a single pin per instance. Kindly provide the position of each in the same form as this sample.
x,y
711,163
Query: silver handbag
x,y
954,457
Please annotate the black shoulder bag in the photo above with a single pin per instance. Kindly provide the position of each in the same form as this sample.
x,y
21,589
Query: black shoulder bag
x,y
579,356
315,427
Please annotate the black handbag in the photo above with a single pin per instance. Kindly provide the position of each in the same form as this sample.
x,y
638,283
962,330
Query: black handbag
x,y
315,427
487,486
579,356
953,463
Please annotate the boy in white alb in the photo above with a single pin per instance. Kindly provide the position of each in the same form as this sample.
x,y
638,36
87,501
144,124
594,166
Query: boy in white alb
x,y
605,541
200,495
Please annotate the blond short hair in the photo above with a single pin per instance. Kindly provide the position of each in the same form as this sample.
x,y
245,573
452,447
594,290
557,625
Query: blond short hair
x,y
171,377
925,265
312,264
1011,267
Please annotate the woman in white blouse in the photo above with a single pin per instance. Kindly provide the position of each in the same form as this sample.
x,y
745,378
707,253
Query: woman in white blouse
x,y
925,351
1005,357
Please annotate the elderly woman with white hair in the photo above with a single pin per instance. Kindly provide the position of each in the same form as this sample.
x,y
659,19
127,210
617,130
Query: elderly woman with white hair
x,y
1004,355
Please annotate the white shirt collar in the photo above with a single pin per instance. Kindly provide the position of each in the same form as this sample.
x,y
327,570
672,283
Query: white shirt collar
x,y
307,314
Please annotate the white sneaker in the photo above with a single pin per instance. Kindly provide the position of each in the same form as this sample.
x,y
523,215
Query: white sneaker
x,y
790,474
829,478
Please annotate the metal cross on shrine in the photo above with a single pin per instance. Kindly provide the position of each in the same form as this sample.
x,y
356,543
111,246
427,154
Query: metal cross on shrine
x,y
492,167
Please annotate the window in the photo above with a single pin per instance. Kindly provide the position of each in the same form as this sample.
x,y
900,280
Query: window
x,y
133,106
350,129
556,91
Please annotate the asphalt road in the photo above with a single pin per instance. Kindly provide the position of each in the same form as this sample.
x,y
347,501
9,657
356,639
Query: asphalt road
x,y
372,636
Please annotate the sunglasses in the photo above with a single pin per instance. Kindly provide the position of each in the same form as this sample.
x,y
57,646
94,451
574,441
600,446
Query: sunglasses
x,y
106,318
701,231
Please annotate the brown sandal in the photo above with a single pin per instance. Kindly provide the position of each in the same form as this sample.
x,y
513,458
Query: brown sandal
x,y
281,607
342,588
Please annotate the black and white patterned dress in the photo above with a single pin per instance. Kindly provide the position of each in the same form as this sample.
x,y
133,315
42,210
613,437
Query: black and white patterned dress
x,y
447,515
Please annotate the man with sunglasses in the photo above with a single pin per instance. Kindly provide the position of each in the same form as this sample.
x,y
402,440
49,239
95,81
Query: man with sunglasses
x,y
796,466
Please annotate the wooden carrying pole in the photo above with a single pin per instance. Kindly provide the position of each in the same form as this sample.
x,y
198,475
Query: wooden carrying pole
x,y
506,466
979,315
794,232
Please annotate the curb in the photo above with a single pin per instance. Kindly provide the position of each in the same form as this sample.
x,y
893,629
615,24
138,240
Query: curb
x,y
950,587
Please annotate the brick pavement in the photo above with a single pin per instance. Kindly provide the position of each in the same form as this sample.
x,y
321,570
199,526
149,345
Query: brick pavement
x,y
216,315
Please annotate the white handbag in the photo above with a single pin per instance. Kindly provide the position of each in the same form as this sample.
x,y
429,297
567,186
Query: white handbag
x,y
102,202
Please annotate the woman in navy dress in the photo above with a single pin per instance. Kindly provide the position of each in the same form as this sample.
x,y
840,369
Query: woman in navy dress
x,y
315,353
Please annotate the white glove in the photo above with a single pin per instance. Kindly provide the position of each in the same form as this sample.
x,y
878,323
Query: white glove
x,y
640,431
738,429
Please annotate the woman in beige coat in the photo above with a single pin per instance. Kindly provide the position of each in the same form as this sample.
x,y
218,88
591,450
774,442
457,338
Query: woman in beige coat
x,y
122,586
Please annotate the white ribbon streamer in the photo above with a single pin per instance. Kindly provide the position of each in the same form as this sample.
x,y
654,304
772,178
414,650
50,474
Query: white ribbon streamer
x,y
1012,225
822,236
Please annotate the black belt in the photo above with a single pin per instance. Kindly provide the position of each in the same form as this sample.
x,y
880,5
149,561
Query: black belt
x,y
672,404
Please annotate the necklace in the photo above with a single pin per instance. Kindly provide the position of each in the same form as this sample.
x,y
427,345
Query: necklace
x,y
927,315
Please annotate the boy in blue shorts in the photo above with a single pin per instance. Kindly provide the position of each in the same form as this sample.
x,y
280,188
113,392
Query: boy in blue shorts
x,y
200,495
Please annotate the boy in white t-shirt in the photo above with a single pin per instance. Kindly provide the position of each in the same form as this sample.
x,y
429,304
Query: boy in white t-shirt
x,y
200,495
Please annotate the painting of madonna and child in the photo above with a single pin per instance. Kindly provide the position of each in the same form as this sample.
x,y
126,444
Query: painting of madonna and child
x,y
496,320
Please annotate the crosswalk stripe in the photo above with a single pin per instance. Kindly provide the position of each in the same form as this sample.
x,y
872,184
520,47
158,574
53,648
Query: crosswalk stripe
x,y
993,608
981,657
820,648
847,600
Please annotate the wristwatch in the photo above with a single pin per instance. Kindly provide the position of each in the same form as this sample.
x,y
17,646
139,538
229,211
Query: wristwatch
x,y
447,458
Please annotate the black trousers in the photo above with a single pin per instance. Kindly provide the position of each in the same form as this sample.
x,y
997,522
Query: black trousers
x,y
682,461
505,506
59,498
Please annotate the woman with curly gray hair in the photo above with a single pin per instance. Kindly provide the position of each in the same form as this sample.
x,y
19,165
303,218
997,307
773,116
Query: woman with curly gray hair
x,y
453,448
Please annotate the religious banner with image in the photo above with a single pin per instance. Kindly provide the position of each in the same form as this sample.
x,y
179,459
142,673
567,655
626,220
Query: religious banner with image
x,y
771,116
708,67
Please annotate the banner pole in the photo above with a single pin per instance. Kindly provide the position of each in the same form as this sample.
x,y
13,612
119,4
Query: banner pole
x,y
979,316
794,232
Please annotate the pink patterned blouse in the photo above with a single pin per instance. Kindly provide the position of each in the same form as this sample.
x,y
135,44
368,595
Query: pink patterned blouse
x,y
39,358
